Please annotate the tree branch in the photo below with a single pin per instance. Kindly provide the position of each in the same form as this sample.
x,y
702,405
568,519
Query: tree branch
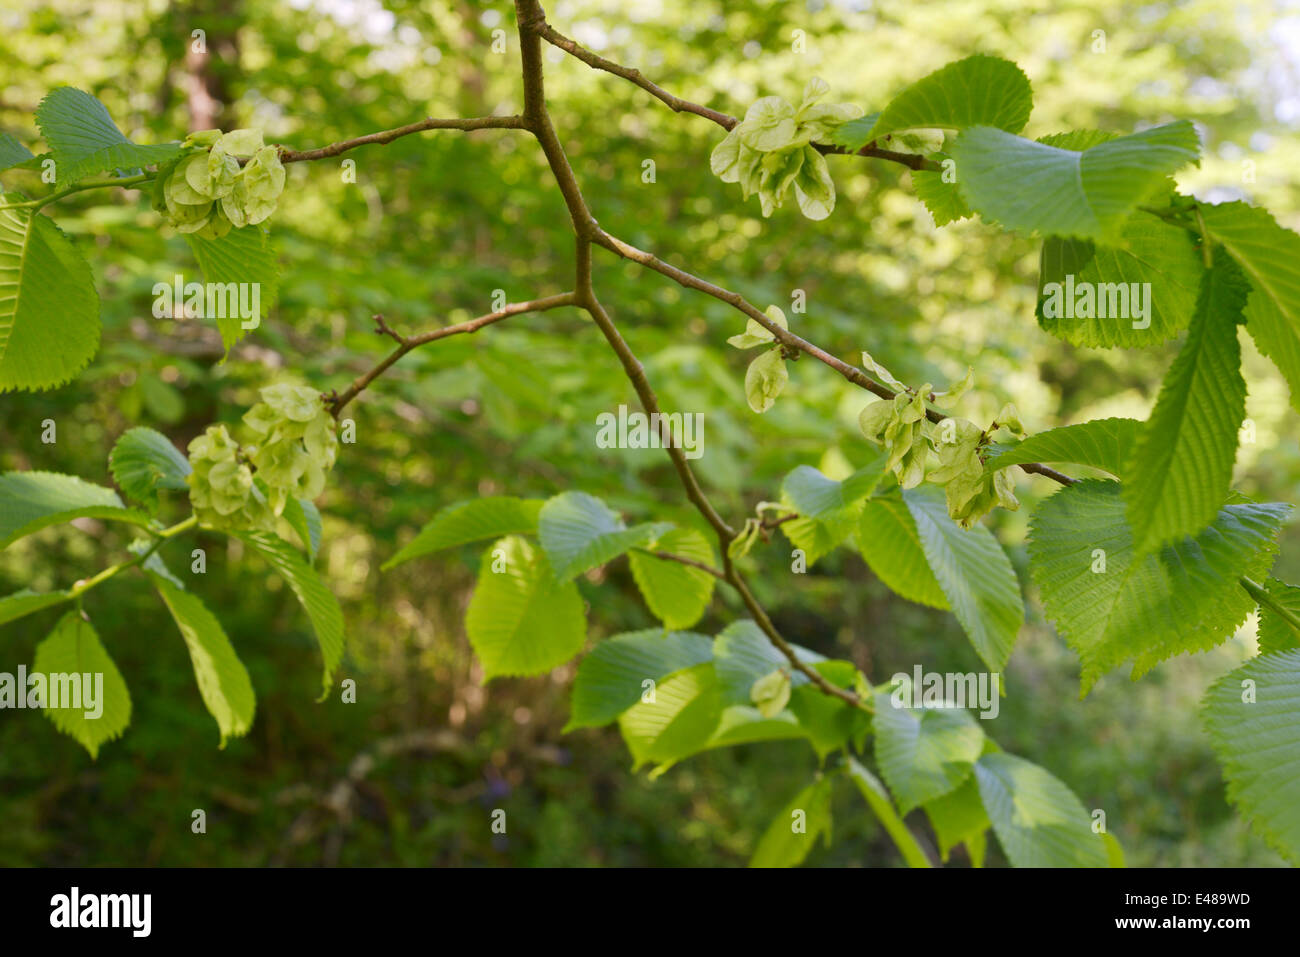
x,y
387,136
336,401
674,103
531,20
679,105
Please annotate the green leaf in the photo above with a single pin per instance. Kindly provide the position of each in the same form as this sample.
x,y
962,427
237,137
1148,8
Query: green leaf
x,y
84,139
924,752
977,91
742,654
677,722
1253,719
1270,256
521,621
614,676
813,495
975,574
1092,280
816,538
1276,633
942,199
958,817
878,800
796,827
1111,606
143,461
223,681
1035,187
49,310
828,722
73,651
1038,820
676,594
742,724
315,597
1181,470
472,521
30,501
12,152
579,532
246,255
25,602
765,379
304,518
1105,444
891,547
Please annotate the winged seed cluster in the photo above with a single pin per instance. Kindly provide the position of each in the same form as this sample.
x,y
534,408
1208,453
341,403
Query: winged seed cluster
x,y
207,191
296,447
770,151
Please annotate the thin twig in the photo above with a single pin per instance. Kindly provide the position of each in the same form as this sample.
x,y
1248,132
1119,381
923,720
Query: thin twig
x,y
387,136
338,400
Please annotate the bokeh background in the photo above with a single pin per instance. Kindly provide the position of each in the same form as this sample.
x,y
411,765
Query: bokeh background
x,y
432,226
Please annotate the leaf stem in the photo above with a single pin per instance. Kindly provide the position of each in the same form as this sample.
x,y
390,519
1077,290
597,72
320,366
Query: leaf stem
x,y
1267,600
126,182
86,584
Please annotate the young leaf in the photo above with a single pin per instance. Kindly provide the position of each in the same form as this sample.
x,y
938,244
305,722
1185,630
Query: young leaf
x,y
924,753
143,461
977,91
1030,186
247,257
73,649
223,681
676,594
1111,605
1253,719
1270,256
796,827
1181,470
878,800
30,501
521,620
579,532
472,521
1038,820
315,597
84,139
1105,444
975,574
891,547
49,310
621,670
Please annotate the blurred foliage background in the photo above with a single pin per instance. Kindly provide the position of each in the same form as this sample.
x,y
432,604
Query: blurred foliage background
x,y
431,227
